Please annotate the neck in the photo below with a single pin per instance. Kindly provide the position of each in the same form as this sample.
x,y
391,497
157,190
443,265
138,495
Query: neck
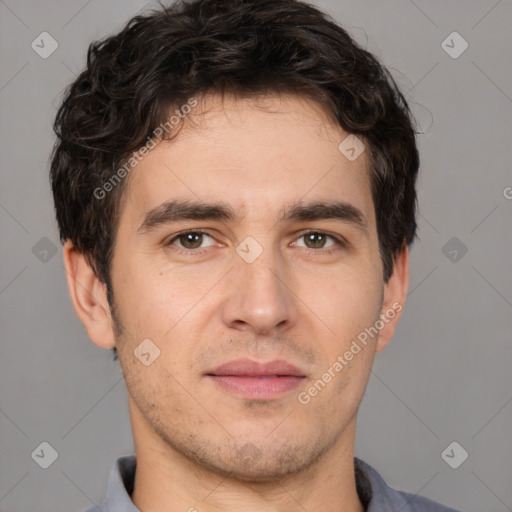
x,y
167,481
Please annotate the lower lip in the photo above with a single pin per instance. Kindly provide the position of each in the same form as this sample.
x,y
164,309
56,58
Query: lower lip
x,y
257,388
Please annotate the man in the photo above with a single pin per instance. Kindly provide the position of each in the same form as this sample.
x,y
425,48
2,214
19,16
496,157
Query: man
x,y
234,184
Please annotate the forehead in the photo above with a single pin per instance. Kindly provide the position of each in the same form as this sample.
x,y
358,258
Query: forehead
x,y
258,155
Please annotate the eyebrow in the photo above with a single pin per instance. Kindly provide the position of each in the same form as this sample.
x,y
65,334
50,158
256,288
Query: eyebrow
x,y
181,210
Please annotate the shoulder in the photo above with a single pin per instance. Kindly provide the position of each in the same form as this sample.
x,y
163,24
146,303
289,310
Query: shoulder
x,y
420,504
379,497
120,487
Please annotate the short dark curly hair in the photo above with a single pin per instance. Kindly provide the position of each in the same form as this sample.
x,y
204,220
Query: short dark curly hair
x,y
247,48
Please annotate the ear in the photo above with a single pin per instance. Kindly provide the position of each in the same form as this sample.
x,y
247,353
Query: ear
x,y
395,292
89,297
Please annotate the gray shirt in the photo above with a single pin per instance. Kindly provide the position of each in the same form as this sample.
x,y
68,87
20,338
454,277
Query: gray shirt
x,y
374,493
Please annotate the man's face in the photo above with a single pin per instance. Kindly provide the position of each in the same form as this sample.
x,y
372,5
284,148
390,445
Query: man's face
x,y
209,298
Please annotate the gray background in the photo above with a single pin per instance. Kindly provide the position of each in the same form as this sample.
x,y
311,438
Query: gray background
x,y
445,376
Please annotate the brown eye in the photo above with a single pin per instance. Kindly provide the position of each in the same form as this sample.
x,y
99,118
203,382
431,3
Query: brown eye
x,y
319,243
189,240
317,240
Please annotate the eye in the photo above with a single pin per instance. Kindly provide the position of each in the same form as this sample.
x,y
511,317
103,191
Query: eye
x,y
315,241
189,240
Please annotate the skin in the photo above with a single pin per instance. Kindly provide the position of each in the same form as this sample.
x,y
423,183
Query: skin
x,y
197,445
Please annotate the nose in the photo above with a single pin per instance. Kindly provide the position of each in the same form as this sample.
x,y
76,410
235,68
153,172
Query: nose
x,y
260,298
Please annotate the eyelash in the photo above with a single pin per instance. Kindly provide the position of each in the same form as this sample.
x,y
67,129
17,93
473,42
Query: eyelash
x,y
339,243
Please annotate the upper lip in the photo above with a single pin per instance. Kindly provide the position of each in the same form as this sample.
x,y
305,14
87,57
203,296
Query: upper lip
x,y
250,368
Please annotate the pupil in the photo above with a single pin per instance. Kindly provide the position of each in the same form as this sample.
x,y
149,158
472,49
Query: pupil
x,y
313,235
189,237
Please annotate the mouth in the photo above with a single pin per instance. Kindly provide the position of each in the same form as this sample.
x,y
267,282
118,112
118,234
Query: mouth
x,y
252,380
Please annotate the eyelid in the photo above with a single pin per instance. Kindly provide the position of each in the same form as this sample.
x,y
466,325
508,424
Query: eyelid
x,y
336,236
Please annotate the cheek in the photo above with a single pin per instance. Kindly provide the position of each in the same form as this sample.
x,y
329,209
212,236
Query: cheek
x,y
145,303
166,308
347,302
349,307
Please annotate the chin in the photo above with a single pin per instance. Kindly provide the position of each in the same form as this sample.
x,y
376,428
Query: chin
x,y
259,462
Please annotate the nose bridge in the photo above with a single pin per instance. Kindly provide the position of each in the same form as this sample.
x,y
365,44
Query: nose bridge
x,y
262,273
258,297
